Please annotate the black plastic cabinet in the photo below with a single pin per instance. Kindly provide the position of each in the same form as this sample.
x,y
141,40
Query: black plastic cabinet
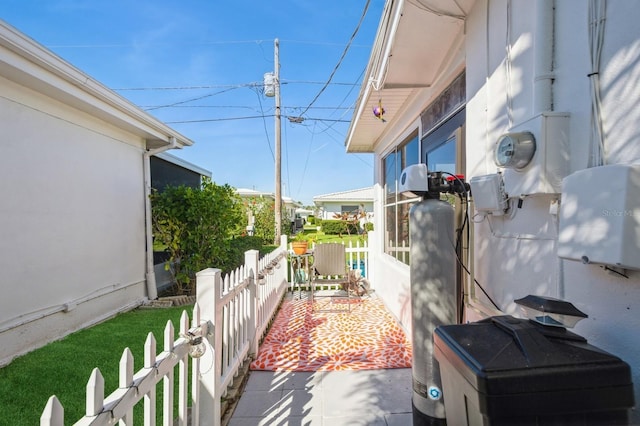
x,y
510,371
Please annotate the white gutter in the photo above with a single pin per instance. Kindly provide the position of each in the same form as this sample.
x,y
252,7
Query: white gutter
x,y
32,65
152,290
377,83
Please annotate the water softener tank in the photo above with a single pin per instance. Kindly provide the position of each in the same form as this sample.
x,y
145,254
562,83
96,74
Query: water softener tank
x,y
433,300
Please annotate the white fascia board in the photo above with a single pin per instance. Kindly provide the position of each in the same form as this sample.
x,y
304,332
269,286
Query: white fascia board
x,y
377,61
30,64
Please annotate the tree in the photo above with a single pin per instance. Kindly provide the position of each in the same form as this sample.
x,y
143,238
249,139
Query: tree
x,y
263,212
195,225
352,219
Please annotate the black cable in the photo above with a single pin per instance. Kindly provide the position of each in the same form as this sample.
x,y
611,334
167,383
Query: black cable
x,y
344,53
264,124
459,231
458,241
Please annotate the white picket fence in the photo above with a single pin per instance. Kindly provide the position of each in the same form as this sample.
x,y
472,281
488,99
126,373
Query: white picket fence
x,y
230,316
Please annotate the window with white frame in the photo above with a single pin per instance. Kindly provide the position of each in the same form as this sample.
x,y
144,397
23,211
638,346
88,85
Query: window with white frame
x,y
396,207
441,147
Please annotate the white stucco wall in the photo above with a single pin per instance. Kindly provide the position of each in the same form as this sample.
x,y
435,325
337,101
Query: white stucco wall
x,y
389,277
72,220
517,257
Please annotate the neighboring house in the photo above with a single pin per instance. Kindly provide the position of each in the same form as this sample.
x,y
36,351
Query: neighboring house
x,y
304,214
75,165
337,203
167,169
455,76
289,205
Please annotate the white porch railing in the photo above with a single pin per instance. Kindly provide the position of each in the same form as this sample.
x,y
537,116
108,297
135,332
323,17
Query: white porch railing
x,y
357,257
231,314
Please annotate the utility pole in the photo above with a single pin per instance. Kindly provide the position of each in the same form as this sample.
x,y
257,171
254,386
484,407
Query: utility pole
x,y
278,203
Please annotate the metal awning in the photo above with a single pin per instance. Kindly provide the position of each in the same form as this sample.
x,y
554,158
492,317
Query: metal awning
x,y
415,41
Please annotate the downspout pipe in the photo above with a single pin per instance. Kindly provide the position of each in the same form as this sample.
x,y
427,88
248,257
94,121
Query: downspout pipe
x,y
543,57
152,290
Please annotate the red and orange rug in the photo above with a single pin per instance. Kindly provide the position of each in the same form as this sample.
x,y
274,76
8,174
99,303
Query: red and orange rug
x,y
304,338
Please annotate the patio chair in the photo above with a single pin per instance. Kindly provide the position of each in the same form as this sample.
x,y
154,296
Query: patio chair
x,y
330,267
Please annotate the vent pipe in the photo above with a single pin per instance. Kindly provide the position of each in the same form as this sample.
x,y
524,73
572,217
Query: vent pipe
x,y
543,57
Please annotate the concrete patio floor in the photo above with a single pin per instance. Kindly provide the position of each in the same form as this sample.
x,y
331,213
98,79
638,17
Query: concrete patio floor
x,y
325,398
335,398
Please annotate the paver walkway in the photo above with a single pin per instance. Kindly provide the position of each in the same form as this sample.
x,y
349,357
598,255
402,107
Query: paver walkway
x,y
375,397
327,398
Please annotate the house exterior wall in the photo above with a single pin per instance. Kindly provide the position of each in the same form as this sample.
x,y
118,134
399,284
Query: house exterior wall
x,y
73,245
516,257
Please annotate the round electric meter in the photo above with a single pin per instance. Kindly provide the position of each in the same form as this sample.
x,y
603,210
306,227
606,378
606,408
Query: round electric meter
x,y
514,150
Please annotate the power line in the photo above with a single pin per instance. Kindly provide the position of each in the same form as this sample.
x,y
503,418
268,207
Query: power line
x,y
331,120
222,86
352,107
190,100
344,53
251,117
249,107
306,162
264,122
206,120
202,43
210,86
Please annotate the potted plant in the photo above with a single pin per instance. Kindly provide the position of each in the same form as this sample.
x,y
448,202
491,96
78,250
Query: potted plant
x,y
300,243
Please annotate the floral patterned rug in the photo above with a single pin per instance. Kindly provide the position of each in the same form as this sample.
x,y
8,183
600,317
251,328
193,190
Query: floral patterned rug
x,y
305,337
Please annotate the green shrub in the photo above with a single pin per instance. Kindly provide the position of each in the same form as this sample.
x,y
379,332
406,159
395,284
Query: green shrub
x,y
263,211
368,226
311,219
338,227
195,225
237,247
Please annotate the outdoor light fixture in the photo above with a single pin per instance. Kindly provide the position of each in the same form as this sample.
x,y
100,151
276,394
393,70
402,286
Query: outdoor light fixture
x,y
196,339
551,312
260,279
197,347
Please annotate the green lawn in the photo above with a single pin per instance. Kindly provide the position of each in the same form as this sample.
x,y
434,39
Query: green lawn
x,y
321,237
62,368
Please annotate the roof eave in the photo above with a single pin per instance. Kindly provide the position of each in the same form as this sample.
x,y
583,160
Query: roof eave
x,y
28,63
413,46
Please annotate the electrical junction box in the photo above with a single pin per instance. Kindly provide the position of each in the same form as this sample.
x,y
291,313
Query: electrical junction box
x,y
600,216
550,162
488,194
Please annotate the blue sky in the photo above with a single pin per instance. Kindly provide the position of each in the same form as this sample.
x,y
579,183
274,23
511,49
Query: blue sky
x,y
199,64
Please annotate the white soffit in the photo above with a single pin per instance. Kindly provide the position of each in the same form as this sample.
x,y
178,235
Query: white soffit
x,y
424,41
